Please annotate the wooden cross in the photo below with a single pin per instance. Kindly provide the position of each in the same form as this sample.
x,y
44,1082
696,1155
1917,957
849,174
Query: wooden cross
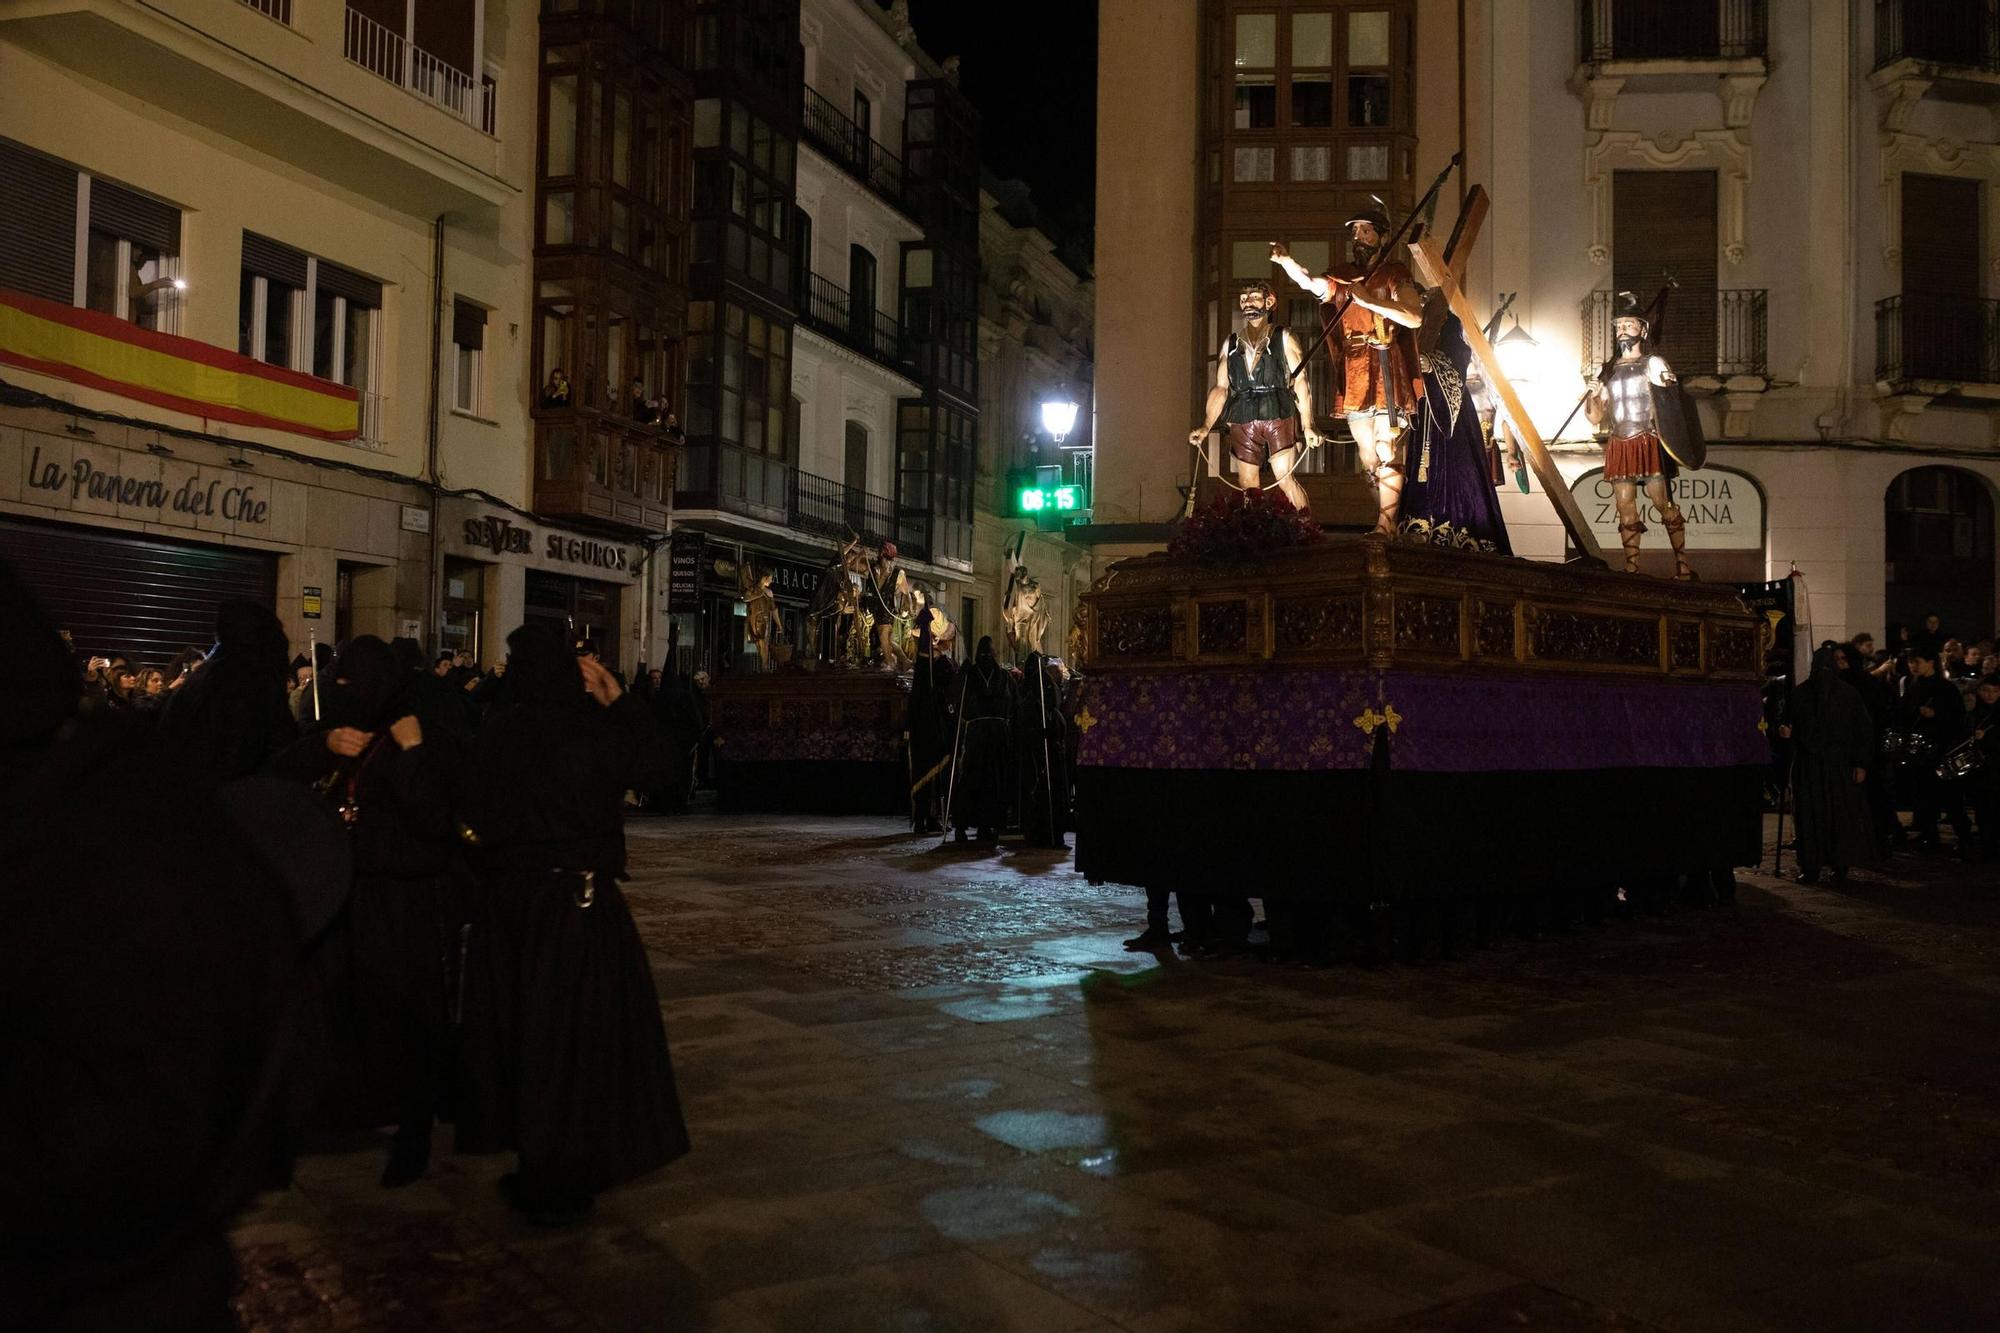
x,y
1434,269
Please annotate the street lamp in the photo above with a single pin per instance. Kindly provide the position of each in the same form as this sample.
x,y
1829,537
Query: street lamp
x,y
1519,352
1059,415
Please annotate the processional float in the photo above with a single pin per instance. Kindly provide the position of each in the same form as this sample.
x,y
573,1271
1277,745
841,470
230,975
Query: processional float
x,y
1367,721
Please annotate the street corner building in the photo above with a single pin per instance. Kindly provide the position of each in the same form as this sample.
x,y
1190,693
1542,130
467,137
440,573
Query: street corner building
x,y
269,319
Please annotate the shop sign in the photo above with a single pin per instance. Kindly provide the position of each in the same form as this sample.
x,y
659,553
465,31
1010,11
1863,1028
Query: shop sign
x,y
790,579
196,496
309,603
501,535
684,572
1724,510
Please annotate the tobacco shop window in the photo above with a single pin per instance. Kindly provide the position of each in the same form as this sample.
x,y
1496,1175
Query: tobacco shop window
x,y
1256,68
1368,84
132,256
1312,72
468,351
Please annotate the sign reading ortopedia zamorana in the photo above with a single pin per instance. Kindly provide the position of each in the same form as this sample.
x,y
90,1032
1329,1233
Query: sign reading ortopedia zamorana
x,y
503,536
197,496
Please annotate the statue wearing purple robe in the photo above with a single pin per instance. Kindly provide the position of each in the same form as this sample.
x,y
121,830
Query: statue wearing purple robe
x,y
1448,495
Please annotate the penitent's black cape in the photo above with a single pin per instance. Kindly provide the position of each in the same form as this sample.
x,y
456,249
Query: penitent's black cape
x,y
232,718
565,1055
1832,735
150,981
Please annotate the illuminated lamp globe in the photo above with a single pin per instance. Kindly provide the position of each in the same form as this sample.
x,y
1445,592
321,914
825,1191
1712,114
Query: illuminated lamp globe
x,y
1519,352
1059,416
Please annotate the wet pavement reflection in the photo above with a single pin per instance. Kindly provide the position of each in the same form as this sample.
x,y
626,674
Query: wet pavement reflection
x,y
930,1090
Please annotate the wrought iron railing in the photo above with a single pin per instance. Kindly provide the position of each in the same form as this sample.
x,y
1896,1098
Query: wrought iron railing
x,y
1965,33
832,311
372,421
280,10
387,54
835,134
1674,29
1730,339
831,509
1955,339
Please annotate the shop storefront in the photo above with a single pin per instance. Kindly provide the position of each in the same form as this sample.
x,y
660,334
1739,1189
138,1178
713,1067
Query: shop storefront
x,y
133,538
709,580
1724,509
503,568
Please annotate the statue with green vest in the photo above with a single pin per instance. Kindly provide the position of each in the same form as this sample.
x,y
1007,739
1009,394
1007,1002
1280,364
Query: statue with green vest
x,y
1260,400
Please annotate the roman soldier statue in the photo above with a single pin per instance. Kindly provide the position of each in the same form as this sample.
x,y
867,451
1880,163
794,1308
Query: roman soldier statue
x,y
1653,432
1259,400
1374,310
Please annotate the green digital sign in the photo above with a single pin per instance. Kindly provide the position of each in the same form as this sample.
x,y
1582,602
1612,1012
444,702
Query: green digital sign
x,y
1038,500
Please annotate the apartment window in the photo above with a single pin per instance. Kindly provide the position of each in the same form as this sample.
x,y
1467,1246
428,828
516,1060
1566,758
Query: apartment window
x,y
131,254
1312,69
1256,66
864,117
750,356
71,237
272,315
1665,223
468,352
347,318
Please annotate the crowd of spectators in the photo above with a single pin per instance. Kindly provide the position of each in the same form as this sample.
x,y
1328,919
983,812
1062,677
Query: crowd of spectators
x,y
1910,727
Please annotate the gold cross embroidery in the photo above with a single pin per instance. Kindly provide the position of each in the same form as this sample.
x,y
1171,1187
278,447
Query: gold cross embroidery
x,y
1371,719
1084,721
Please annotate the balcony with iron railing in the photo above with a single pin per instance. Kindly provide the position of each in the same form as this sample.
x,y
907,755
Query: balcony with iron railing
x,y
1727,341
1940,340
849,146
832,311
1963,34
1623,31
832,509
281,10
388,54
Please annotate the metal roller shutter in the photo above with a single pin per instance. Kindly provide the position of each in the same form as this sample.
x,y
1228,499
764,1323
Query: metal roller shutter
x,y
135,217
140,595
346,282
37,224
274,259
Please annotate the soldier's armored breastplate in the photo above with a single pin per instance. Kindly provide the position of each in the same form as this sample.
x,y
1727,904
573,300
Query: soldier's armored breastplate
x,y
1631,401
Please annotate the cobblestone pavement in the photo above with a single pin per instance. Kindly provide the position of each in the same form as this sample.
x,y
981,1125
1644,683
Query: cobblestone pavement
x,y
929,1091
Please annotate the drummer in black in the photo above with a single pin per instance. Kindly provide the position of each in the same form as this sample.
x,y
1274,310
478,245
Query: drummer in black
x,y
1983,783
1932,710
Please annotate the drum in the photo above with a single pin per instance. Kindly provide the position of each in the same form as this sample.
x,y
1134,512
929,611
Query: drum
x,y
1961,764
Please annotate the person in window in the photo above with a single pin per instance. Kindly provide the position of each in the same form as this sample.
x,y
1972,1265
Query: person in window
x,y
642,403
556,392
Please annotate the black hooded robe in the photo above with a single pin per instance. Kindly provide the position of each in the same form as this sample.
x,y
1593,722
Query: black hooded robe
x,y
986,706
1041,757
565,1054
1832,735
388,961
233,717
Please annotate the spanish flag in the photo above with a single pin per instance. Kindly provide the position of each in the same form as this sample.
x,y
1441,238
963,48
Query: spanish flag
x,y
179,374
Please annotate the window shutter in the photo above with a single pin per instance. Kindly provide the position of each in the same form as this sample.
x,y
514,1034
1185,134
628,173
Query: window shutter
x,y
37,224
468,325
267,258
346,282
134,217
1661,221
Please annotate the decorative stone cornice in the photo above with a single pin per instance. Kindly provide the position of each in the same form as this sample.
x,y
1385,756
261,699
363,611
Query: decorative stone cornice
x,y
1723,150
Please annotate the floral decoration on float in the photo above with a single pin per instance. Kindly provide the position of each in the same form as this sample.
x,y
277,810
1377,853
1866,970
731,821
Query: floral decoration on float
x,y
1241,525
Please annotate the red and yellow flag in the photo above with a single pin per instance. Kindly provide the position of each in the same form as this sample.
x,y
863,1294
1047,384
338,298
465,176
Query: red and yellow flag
x,y
179,374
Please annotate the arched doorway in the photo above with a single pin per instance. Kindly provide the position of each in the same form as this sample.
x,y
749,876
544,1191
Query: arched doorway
x,y
1939,550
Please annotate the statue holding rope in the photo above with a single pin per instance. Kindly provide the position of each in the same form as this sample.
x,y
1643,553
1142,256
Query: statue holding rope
x,y
1261,403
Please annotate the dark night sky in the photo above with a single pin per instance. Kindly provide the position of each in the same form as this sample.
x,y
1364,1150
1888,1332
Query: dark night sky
x,y
1030,67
